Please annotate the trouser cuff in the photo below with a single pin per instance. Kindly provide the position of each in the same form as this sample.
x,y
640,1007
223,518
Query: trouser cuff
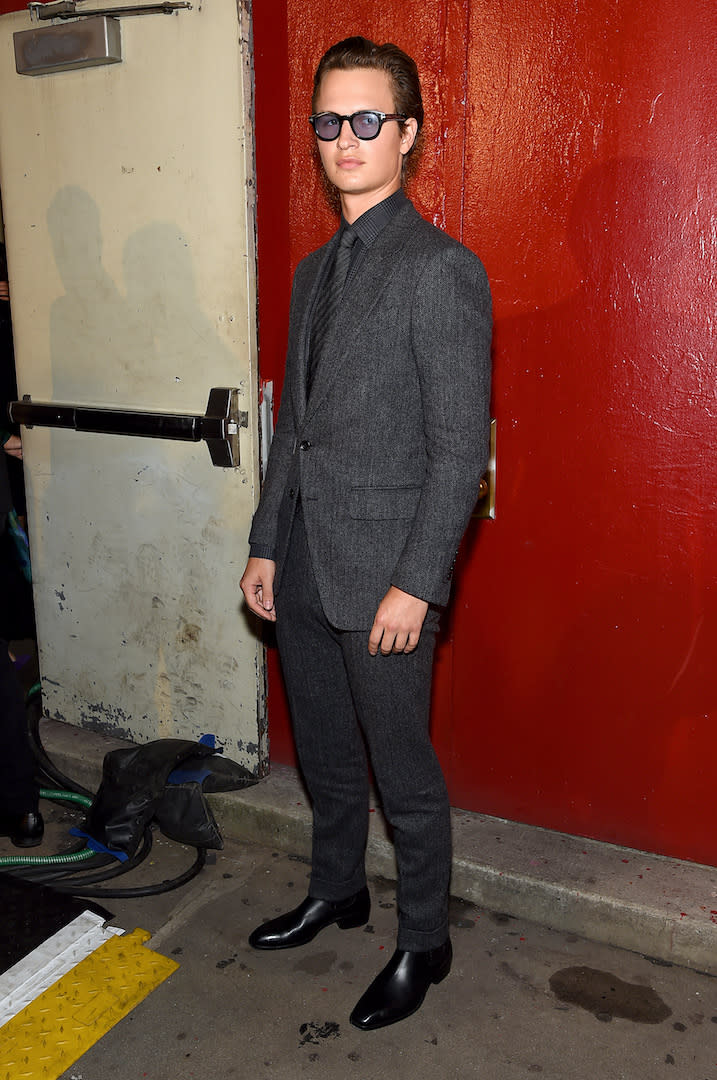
x,y
321,889
421,940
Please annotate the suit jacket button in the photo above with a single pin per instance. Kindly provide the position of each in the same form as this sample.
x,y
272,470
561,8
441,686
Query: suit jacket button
x,y
291,493
305,445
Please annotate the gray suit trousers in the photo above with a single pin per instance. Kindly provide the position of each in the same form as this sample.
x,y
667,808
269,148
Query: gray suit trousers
x,y
343,700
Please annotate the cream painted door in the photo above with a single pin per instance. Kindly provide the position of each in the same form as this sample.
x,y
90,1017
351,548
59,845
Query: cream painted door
x,y
127,196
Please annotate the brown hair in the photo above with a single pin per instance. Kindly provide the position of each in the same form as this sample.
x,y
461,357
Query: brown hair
x,y
359,52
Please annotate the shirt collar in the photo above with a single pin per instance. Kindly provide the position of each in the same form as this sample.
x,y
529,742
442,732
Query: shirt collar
x,y
373,221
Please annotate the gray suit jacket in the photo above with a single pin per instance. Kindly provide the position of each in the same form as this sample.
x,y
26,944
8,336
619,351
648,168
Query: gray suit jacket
x,y
388,451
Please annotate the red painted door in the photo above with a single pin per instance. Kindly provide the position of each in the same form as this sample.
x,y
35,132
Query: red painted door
x,y
572,147
590,605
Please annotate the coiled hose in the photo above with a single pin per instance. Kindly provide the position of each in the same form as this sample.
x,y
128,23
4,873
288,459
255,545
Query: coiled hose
x,y
60,871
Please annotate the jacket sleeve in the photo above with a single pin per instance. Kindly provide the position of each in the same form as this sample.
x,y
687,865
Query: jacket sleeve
x,y
451,325
263,534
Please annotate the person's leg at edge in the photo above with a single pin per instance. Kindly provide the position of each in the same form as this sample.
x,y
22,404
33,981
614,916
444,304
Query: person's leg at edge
x,y
20,818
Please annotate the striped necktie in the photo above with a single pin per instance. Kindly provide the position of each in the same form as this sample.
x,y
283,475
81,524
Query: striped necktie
x,y
329,300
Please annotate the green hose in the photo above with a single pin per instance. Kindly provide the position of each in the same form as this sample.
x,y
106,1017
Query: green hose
x,y
65,796
53,860
46,860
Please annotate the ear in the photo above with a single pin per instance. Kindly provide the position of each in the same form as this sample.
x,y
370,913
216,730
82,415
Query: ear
x,y
408,134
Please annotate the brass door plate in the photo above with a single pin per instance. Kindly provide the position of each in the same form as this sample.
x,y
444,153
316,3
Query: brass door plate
x,y
485,506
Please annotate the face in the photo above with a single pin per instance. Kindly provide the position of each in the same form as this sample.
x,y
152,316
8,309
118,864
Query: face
x,y
364,171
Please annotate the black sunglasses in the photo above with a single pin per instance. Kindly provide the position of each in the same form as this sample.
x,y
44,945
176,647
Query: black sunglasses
x,y
366,124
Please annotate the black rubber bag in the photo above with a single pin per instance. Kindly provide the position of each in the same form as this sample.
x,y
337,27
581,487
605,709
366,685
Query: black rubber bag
x,y
136,787
183,813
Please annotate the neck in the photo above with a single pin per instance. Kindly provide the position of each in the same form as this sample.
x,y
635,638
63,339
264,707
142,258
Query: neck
x,y
354,205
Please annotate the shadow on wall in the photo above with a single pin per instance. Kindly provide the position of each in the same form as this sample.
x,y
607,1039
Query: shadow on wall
x,y
145,342
130,519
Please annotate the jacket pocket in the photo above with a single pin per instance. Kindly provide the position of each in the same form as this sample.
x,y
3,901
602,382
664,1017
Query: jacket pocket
x,y
383,504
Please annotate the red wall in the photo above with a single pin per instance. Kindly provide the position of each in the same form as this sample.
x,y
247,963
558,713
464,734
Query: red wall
x,y
572,147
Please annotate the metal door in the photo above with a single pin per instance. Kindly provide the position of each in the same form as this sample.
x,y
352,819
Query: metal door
x,y
127,196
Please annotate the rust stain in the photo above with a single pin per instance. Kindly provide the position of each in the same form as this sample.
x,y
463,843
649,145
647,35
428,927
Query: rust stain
x,y
189,634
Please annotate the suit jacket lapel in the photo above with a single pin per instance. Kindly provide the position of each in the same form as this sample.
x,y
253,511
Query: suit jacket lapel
x,y
368,285
305,304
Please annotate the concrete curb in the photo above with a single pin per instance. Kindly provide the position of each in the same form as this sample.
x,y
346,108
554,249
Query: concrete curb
x,y
661,907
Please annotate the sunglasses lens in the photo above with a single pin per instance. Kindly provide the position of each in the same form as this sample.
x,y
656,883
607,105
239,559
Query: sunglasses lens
x,y
327,126
366,125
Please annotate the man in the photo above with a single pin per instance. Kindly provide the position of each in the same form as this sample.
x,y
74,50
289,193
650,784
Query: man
x,y
380,442
20,818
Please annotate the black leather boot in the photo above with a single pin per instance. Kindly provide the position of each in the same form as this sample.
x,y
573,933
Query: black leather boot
x,y
301,925
400,988
24,830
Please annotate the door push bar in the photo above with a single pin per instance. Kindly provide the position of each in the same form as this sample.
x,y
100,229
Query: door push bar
x,y
219,427
66,9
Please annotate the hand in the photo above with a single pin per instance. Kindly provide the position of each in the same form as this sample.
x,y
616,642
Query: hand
x,y
398,622
13,447
257,584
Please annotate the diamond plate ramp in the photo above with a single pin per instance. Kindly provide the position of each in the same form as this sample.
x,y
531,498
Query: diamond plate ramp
x,y
31,913
55,1029
57,956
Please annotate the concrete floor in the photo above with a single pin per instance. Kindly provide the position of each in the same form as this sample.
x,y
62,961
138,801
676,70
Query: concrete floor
x,y
522,999
510,1008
